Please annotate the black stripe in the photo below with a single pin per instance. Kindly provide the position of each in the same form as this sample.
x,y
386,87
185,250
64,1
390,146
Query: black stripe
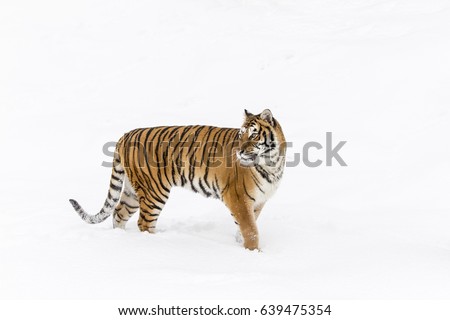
x,y
246,192
110,197
179,151
205,177
120,216
271,135
114,187
217,183
130,211
267,150
216,193
160,137
208,194
217,142
128,205
263,173
174,182
164,156
257,183
151,204
192,159
183,133
227,185
146,220
116,178
183,180
156,184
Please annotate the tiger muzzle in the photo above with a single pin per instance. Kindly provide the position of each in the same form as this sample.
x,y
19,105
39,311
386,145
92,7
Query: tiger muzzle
x,y
249,157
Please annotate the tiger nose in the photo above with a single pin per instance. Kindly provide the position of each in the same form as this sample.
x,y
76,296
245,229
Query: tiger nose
x,y
248,149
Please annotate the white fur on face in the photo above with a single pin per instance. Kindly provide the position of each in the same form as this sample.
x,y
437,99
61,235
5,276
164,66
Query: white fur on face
x,y
251,130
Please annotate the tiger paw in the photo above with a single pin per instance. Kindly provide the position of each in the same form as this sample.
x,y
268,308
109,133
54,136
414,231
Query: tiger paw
x,y
144,228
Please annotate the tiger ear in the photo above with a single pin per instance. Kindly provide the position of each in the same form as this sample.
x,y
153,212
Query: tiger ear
x,y
247,114
266,115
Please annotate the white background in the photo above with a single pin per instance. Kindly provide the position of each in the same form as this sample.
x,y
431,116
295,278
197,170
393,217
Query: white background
x,y
75,75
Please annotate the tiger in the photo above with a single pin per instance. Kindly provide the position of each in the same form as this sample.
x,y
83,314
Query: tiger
x,y
241,167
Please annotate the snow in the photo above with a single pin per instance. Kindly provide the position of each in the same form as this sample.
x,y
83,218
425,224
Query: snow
x,y
375,73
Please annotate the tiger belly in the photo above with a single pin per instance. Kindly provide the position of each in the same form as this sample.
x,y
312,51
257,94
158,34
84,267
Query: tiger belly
x,y
205,188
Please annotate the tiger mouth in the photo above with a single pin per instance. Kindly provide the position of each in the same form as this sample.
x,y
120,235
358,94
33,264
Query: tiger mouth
x,y
247,159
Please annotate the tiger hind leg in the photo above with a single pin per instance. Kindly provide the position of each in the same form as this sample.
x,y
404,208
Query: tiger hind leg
x,y
127,206
149,213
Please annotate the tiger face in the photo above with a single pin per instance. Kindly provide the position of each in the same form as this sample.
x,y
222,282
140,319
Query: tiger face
x,y
257,139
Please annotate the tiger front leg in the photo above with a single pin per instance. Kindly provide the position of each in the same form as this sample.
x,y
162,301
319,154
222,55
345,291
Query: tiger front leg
x,y
249,231
257,210
246,221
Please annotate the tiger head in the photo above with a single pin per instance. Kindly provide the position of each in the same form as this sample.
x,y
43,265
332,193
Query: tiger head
x,y
261,140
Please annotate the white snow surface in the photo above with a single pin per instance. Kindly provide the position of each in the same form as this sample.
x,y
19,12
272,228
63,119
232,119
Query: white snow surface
x,y
75,75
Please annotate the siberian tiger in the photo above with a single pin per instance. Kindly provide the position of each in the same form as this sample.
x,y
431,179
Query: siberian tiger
x,y
242,167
